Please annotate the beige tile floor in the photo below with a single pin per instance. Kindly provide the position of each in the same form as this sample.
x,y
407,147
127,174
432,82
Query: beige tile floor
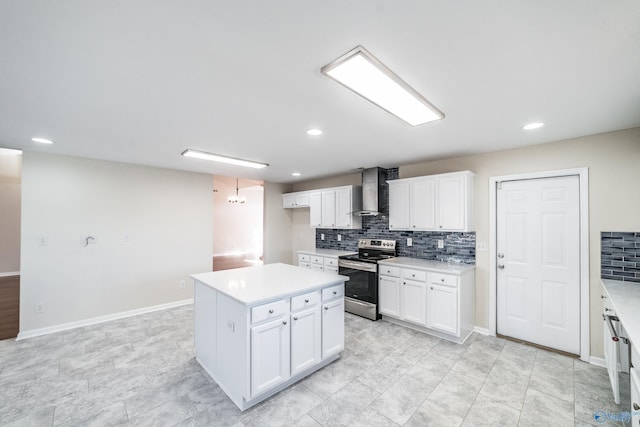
x,y
141,371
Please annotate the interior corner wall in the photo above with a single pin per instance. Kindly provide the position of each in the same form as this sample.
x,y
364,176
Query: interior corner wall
x,y
277,225
10,194
151,229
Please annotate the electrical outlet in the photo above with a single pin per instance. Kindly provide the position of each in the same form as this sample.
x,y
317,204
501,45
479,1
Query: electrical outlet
x,y
182,283
339,237
321,236
440,243
482,246
39,308
409,241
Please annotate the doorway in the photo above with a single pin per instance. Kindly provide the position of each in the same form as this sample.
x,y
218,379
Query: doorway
x,y
539,272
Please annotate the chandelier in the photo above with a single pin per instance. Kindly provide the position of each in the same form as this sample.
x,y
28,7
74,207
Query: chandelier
x,y
235,198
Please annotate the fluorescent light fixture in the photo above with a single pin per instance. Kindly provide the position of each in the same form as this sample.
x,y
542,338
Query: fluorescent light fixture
x,y
361,72
314,132
296,174
10,152
532,126
223,159
42,140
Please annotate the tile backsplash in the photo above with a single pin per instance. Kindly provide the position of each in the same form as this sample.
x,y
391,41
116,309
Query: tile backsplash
x,y
620,256
458,247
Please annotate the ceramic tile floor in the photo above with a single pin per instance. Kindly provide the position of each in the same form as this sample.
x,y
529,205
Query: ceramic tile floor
x,y
141,371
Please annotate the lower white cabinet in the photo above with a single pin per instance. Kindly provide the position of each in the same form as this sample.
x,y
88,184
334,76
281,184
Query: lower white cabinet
x,y
635,395
332,327
430,301
269,355
306,338
328,264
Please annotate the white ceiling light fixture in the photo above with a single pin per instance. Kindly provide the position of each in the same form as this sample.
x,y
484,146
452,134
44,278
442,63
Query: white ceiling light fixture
x,y
314,132
361,72
42,140
10,152
223,159
532,126
295,174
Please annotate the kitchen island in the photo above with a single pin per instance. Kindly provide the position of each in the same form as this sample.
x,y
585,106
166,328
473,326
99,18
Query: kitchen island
x,y
260,329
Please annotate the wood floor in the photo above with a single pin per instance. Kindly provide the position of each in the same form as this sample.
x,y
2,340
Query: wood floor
x,y
227,262
9,306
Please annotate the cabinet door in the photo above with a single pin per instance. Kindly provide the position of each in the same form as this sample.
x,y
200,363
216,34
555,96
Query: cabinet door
x,y
343,208
288,201
635,395
332,327
328,209
315,209
423,205
452,196
399,206
442,308
414,301
302,200
389,295
270,359
305,339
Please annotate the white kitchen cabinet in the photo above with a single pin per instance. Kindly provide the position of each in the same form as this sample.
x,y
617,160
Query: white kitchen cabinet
x,y
332,327
344,207
306,336
389,295
432,203
442,308
315,209
416,293
328,209
296,200
304,260
269,355
635,395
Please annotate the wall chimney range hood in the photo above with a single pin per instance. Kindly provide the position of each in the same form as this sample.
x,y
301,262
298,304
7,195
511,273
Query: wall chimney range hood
x,y
373,184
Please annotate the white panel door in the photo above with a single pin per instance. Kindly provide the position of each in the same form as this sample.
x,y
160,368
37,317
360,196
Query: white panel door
x,y
538,257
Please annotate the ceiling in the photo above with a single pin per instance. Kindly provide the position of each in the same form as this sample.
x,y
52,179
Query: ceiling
x,y
140,81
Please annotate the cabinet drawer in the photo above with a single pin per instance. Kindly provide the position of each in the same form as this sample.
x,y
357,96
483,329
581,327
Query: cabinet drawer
x,y
269,311
331,269
332,292
304,257
304,264
414,275
306,300
389,271
317,259
330,262
444,279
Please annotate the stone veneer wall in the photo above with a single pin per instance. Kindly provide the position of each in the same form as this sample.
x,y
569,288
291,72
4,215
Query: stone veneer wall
x,y
620,256
458,247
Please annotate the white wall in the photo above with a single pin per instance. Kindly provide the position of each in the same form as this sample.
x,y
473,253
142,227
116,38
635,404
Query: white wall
x,y
277,224
165,214
10,171
237,227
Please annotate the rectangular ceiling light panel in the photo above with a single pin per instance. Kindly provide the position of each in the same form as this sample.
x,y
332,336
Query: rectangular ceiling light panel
x,y
222,159
364,74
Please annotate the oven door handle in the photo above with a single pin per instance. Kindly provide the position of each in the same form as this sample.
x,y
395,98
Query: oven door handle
x,y
358,265
614,336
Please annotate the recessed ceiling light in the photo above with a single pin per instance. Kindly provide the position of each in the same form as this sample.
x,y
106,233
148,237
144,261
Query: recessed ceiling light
x,y
10,152
314,132
296,174
361,72
532,126
223,159
42,140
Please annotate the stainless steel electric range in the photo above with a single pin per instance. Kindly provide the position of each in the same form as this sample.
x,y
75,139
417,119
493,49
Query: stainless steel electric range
x,y
361,290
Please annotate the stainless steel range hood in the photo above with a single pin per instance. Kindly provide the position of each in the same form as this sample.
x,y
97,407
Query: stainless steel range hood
x,y
373,184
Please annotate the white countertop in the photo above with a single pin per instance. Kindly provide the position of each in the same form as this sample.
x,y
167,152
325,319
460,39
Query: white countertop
x,y
423,264
625,299
327,252
262,283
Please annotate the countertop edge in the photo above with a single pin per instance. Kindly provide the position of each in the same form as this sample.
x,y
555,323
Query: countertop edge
x,y
406,262
630,318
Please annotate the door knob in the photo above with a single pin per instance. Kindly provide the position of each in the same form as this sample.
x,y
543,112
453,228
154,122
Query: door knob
x,y
500,266
500,255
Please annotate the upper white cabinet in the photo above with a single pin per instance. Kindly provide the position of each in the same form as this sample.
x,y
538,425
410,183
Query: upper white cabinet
x,y
334,207
432,203
296,200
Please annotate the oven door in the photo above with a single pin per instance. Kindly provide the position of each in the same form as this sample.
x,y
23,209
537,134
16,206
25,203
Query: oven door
x,y
362,284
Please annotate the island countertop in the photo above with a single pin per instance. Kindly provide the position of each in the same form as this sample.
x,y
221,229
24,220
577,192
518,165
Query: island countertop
x,y
262,283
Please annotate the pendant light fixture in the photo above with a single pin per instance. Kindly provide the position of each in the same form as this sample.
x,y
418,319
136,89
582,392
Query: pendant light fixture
x,y
236,198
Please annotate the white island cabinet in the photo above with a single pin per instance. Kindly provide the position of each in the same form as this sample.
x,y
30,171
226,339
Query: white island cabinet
x,y
260,329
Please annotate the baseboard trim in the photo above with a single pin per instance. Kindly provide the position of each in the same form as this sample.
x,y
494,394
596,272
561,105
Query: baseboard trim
x,y
10,273
100,319
481,331
598,361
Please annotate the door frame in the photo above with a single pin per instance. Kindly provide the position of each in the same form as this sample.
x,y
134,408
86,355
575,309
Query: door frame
x,y
583,175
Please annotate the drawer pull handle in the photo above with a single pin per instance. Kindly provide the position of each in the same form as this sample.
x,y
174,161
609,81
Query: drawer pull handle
x,y
271,311
306,300
602,296
432,288
284,322
442,280
295,318
636,407
326,308
335,292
